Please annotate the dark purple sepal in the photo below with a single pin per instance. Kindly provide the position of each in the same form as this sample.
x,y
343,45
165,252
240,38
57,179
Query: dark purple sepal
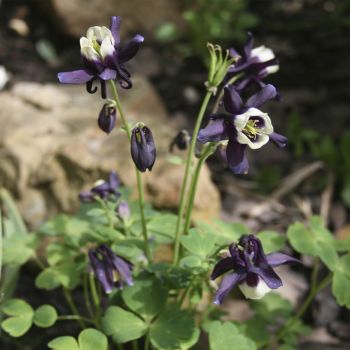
x,y
277,259
236,157
267,93
278,139
232,100
143,150
79,76
107,118
226,285
115,29
215,131
223,266
130,49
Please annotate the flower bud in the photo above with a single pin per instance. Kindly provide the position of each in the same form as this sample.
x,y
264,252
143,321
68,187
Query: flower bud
x,y
123,210
107,118
143,149
181,140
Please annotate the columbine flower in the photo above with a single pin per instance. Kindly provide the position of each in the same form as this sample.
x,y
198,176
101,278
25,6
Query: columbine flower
x,y
107,118
245,125
252,269
110,269
181,140
103,58
102,189
256,63
143,149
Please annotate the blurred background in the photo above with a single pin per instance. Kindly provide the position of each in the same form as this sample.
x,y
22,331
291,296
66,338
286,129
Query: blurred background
x,y
51,147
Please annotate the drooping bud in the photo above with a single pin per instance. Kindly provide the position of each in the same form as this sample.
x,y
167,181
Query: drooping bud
x,y
143,149
123,210
181,140
107,118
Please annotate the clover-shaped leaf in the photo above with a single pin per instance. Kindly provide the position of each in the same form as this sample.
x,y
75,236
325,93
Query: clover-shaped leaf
x,y
341,281
89,339
21,317
123,325
198,243
45,316
222,336
314,240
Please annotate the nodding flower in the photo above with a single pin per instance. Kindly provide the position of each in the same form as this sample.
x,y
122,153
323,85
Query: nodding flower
x,y
143,149
107,118
251,270
102,189
244,125
110,269
103,58
256,64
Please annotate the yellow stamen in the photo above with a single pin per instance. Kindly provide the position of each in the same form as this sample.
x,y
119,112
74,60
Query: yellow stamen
x,y
251,129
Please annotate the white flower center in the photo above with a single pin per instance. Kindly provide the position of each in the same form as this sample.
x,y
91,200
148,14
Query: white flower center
x,y
255,292
253,128
97,44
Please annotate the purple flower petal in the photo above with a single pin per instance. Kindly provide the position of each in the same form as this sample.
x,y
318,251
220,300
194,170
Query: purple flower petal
x,y
223,266
79,76
248,46
278,139
277,259
236,158
265,94
269,276
108,74
232,100
113,180
130,49
115,28
124,269
86,197
227,283
213,132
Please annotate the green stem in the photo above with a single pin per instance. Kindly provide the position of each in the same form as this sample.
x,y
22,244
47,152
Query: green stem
x,y
95,298
146,347
186,176
141,198
304,307
207,151
75,318
86,294
73,307
106,210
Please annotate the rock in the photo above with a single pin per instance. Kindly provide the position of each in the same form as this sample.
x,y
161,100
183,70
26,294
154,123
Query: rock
x,y
73,17
51,149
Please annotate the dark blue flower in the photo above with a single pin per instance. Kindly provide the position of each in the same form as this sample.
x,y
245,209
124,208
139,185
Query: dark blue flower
x,y
110,269
102,189
256,63
103,58
107,118
143,149
252,269
245,125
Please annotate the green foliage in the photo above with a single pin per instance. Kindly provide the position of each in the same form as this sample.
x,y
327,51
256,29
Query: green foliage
x,y
123,325
45,316
272,241
217,21
341,281
173,329
224,336
314,240
147,297
89,339
197,243
22,316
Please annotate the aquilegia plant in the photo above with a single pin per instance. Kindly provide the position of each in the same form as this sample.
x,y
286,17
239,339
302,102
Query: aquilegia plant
x,y
103,259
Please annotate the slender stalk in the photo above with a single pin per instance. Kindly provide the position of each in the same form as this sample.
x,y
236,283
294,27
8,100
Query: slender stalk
x,y
106,210
73,307
86,294
186,176
141,198
146,347
207,151
75,318
304,307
